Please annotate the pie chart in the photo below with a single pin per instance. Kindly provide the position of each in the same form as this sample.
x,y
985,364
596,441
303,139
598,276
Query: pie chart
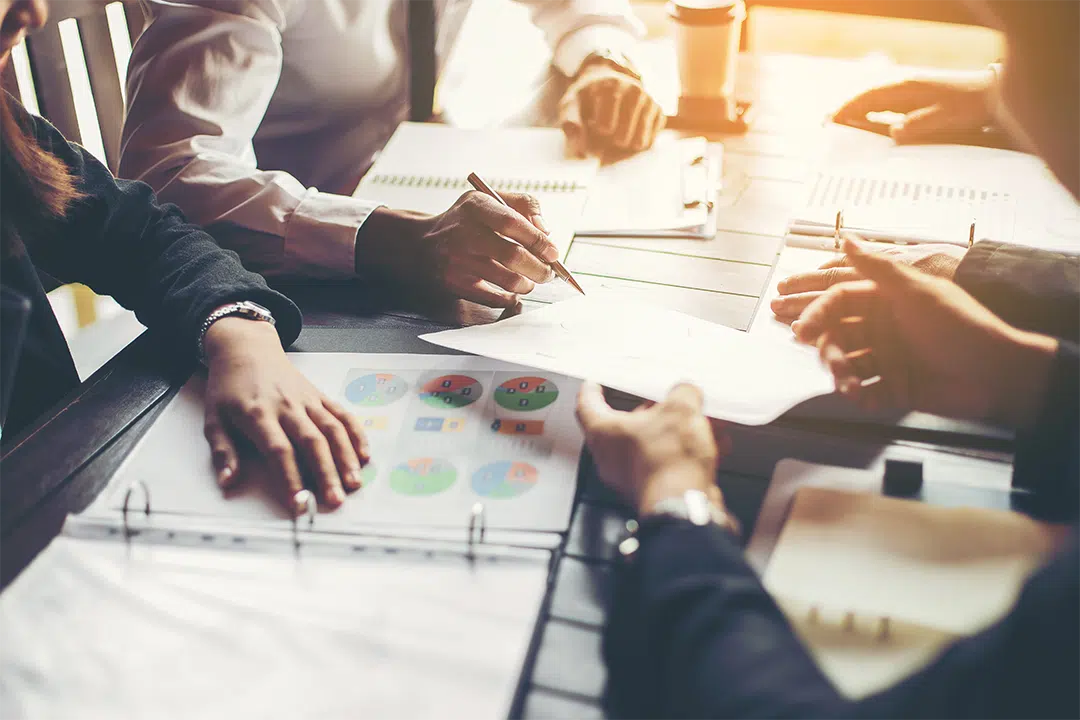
x,y
526,393
451,391
375,390
504,479
422,476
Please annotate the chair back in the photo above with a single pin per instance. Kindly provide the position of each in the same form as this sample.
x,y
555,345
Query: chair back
x,y
71,72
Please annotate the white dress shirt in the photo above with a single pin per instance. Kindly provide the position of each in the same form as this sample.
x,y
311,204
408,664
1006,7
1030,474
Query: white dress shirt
x,y
258,117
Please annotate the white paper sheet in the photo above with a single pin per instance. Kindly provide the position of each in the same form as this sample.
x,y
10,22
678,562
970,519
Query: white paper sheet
x,y
101,630
445,432
616,340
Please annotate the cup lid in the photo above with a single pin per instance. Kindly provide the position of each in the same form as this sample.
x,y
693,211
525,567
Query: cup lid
x,y
706,12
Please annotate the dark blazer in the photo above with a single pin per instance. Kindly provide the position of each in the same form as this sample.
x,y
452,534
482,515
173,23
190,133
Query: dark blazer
x,y
692,633
120,242
1038,290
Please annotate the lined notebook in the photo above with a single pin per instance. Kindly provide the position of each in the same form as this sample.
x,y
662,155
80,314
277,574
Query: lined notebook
x,y
876,586
424,168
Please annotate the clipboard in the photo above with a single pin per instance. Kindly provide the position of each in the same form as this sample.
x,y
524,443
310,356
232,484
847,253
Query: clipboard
x,y
668,191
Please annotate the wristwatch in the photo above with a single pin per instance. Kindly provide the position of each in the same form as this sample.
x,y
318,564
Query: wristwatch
x,y
693,506
245,309
612,58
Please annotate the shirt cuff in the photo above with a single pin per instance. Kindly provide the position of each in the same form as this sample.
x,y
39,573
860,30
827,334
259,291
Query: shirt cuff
x,y
578,45
321,234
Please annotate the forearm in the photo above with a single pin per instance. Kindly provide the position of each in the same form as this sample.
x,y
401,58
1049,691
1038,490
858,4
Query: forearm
x,y
200,82
1036,290
121,242
1047,458
692,633
575,28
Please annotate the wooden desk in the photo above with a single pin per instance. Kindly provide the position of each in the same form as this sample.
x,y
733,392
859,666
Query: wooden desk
x,y
60,466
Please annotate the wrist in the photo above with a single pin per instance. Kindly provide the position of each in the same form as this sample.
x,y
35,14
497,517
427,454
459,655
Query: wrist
x,y
230,335
672,482
388,239
610,59
1023,378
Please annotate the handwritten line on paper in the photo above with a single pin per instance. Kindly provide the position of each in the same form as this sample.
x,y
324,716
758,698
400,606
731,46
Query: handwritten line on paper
x,y
645,350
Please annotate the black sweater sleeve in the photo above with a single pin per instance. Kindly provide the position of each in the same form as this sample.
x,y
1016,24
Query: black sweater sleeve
x,y
119,241
1036,290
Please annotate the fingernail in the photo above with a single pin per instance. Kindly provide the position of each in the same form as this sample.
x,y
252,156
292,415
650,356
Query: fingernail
x,y
782,286
795,326
776,303
224,475
550,252
335,495
353,479
538,221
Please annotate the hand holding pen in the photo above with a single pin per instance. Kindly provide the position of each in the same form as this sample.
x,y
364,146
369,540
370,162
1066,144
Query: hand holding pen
x,y
557,267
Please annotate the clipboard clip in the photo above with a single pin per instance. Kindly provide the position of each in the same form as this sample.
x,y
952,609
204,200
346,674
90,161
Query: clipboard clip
x,y
305,499
697,183
477,526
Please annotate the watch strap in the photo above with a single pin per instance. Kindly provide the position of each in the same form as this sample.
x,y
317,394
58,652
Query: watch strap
x,y
244,308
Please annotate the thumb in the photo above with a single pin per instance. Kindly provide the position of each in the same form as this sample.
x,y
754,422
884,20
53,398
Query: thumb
x,y
921,125
889,274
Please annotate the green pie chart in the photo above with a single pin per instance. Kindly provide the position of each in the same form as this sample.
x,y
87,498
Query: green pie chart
x,y
420,477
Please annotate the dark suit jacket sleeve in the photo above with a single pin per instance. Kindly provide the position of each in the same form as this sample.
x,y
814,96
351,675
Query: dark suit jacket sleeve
x,y
1036,290
692,633
121,242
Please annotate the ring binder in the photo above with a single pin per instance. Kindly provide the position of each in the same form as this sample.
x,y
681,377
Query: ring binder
x,y
128,532
311,507
477,511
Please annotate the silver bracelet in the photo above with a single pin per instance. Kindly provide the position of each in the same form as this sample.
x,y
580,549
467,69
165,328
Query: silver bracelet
x,y
245,309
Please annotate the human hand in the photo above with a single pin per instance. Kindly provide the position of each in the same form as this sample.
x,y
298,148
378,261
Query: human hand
x,y
467,250
605,108
656,451
254,393
931,345
801,289
932,107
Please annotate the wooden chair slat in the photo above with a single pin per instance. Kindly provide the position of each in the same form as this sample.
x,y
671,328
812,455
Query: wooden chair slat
x,y
104,82
51,80
135,12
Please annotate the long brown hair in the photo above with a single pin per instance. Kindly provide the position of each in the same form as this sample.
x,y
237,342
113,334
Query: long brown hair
x,y
36,187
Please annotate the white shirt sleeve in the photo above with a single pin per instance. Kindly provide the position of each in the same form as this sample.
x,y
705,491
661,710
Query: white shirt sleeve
x,y
576,28
200,80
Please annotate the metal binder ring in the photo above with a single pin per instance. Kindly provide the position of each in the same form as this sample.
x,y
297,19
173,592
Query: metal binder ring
x,y
127,502
305,499
477,518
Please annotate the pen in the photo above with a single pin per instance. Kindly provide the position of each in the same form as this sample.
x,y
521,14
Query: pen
x,y
559,269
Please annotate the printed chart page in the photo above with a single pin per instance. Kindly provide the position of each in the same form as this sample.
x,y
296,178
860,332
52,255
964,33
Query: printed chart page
x,y
930,193
615,339
445,432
